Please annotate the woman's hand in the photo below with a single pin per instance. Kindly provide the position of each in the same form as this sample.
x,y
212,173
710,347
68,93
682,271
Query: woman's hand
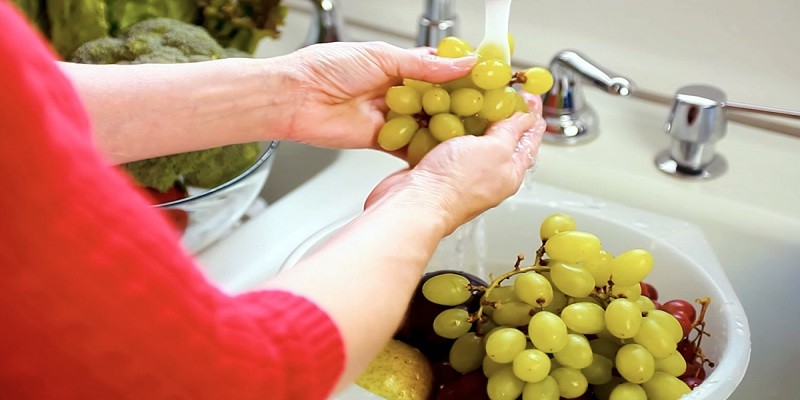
x,y
337,97
465,176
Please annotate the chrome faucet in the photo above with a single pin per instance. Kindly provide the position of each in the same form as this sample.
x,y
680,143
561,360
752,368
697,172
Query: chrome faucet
x,y
327,25
437,22
570,120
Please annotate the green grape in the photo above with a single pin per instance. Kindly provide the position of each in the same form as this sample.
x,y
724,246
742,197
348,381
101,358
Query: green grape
x,y
576,353
599,265
585,318
547,332
531,365
504,385
490,366
572,246
668,322
635,363
492,51
421,143
558,303
446,126
513,313
491,74
604,347
628,391
436,101
453,47
466,101
404,100
631,293
623,318
452,323
599,371
521,104
603,392
467,353
460,83
498,296
571,382
655,338
663,386
674,364
447,289
534,289
556,223
546,389
511,44
392,115
572,279
538,80
645,304
504,344
397,132
631,267
498,104
475,125
420,86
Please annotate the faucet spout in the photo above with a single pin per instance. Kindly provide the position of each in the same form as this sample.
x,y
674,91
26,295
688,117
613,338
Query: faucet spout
x,y
327,25
437,22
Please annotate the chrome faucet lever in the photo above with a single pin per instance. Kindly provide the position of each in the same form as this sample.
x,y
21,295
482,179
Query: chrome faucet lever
x,y
570,120
437,22
696,122
327,24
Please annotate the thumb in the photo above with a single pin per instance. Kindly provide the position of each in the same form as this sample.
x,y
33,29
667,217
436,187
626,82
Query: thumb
x,y
421,64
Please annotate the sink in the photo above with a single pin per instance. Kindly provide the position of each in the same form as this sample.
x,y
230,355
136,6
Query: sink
x,y
685,265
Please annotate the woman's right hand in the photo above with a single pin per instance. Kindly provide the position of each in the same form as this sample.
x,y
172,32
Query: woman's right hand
x,y
465,176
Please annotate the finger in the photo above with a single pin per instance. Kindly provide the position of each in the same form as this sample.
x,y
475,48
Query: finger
x,y
533,101
422,64
527,149
511,130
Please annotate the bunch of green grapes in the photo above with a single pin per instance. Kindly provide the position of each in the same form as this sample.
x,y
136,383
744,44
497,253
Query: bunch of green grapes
x,y
422,114
575,323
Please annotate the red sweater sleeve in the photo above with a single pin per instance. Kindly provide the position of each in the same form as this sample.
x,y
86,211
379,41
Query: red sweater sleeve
x,y
97,298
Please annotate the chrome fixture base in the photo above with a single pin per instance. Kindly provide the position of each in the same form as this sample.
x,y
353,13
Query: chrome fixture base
x,y
571,129
668,165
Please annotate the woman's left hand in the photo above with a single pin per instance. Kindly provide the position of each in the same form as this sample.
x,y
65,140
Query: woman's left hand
x,y
337,97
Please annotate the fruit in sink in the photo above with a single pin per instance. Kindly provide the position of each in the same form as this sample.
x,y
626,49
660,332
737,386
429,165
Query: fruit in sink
x,y
422,114
400,371
576,323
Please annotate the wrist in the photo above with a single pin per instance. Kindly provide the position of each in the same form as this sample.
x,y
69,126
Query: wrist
x,y
413,194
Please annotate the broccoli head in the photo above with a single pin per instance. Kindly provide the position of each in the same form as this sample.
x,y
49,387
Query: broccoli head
x,y
162,41
203,168
157,40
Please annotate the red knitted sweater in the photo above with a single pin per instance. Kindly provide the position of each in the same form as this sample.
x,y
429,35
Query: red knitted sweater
x,y
97,298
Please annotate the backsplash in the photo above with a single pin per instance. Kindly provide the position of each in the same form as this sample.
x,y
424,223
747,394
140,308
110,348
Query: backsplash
x,y
750,50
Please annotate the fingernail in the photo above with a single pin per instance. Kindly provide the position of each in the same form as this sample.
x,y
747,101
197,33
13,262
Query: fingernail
x,y
465,62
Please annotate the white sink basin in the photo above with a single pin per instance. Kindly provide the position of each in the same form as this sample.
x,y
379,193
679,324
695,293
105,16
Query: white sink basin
x,y
685,265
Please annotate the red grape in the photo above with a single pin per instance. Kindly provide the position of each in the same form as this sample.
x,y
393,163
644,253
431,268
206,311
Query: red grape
x,y
686,323
680,306
687,350
649,291
471,385
692,382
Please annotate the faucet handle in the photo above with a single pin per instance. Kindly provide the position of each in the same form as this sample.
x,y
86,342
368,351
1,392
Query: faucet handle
x,y
696,122
569,118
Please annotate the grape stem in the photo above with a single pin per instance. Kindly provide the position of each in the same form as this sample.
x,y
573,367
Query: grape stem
x,y
518,269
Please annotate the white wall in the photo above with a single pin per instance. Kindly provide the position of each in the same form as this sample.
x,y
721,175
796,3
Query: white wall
x,y
750,49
